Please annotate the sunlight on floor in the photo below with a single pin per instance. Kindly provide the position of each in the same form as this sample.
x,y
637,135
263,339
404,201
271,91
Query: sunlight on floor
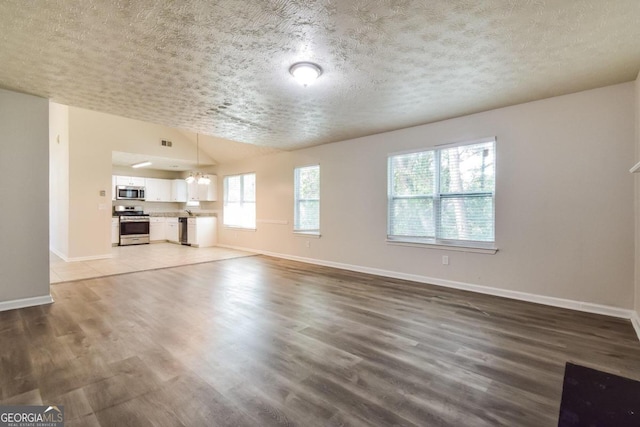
x,y
127,259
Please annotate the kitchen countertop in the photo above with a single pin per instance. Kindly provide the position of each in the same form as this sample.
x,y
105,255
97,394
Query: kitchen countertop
x,y
181,214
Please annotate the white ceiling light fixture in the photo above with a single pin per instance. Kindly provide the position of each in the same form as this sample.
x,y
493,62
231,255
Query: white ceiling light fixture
x,y
200,177
305,73
141,164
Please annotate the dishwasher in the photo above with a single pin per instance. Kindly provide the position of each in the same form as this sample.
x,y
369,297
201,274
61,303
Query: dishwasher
x,y
183,234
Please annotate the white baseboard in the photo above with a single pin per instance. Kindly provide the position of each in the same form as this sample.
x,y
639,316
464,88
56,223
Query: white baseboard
x,y
506,293
635,321
82,258
25,302
58,253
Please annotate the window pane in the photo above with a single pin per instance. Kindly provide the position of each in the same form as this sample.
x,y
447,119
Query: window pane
x,y
413,174
248,216
308,215
307,199
468,168
232,189
467,218
249,187
232,213
411,217
308,182
239,208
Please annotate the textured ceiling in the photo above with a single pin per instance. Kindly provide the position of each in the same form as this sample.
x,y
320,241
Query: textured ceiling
x,y
221,68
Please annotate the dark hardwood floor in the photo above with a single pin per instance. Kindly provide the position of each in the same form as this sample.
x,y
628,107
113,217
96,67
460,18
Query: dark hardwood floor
x,y
262,341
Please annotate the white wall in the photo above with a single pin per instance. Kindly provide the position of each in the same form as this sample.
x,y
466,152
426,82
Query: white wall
x,y
24,186
59,178
564,204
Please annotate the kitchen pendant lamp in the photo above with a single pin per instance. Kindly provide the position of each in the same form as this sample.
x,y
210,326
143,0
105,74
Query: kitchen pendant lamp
x,y
199,177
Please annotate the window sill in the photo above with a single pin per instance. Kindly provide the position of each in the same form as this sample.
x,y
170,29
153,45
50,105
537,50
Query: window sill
x,y
447,247
235,228
312,234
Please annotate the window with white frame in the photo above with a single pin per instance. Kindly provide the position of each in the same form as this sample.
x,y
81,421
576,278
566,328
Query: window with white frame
x,y
306,210
444,195
239,208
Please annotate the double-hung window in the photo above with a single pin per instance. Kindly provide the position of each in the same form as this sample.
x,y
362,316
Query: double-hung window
x,y
239,208
306,210
444,195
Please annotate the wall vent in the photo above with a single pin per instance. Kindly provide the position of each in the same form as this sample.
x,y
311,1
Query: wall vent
x,y
166,143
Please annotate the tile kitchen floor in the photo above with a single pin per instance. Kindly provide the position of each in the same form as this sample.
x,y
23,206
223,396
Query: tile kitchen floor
x,y
127,259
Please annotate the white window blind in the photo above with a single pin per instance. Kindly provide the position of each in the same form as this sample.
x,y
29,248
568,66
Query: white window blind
x,y
239,208
306,215
443,196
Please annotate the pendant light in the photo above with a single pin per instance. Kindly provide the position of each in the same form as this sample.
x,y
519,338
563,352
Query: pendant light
x,y
200,177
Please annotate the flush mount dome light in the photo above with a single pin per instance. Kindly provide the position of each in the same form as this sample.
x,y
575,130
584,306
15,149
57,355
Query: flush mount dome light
x,y
305,72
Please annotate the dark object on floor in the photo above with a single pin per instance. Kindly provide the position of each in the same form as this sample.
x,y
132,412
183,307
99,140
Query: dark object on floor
x,y
595,398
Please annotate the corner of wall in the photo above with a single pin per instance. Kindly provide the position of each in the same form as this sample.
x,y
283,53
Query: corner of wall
x,y
636,319
59,179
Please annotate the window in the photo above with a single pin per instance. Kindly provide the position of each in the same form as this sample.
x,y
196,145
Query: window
x,y
239,208
306,215
443,196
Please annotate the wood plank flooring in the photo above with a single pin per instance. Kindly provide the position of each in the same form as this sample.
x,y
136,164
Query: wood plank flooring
x,y
262,341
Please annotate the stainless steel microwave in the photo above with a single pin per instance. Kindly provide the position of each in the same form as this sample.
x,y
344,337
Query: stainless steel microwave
x,y
125,192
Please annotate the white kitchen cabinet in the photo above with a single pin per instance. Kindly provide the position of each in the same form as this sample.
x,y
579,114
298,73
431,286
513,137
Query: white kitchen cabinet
x,y
192,192
178,190
115,231
172,229
202,231
113,187
203,192
158,190
209,192
192,232
157,229
133,181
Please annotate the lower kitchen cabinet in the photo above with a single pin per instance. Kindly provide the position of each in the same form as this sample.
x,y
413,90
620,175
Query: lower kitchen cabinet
x,y
172,229
115,231
202,231
157,229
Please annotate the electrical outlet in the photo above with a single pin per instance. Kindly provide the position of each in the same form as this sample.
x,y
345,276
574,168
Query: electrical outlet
x,y
445,260
308,243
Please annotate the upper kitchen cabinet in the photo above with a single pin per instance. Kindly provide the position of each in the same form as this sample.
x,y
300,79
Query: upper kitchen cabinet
x,y
179,190
211,190
158,190
133,181
203,192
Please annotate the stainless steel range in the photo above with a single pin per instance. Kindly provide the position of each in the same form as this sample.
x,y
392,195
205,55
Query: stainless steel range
x,y
134,225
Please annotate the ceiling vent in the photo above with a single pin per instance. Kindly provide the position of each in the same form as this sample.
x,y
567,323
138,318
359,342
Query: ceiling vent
x,y
166,143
